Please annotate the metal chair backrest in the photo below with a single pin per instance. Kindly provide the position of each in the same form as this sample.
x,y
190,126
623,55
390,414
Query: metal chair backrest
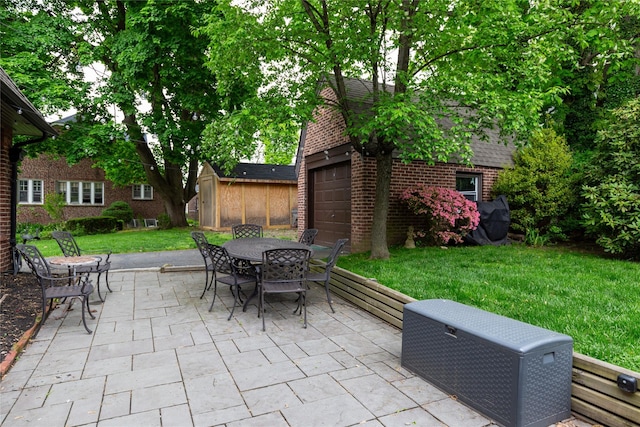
x,y
285,265
243,231
308,236
335,252
67,243
201,242
35,260
220,259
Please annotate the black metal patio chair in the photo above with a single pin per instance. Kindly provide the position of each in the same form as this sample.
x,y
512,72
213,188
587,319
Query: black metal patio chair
x,y
243,231
325,276
226,271
202,243
69,247
284,271
308,236
57,287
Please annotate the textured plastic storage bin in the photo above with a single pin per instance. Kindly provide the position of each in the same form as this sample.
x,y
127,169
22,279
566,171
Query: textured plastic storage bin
x,y
515,373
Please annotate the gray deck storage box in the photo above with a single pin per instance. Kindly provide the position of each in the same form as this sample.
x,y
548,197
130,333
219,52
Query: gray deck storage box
x,y
512,372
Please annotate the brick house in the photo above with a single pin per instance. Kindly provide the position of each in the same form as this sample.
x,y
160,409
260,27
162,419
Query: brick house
x,y
18,117
85,187
336,184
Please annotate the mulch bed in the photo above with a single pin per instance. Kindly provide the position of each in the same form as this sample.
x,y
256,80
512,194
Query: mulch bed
x,y
20,307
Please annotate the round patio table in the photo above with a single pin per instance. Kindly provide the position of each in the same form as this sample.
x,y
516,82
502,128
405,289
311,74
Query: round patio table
x,y
72,261
251,248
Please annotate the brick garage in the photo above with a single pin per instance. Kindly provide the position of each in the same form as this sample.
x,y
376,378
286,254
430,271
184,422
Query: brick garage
x,y
51,170
324,148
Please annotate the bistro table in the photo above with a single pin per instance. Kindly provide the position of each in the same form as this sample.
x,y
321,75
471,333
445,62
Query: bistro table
x,y
251,249
72,261
80,263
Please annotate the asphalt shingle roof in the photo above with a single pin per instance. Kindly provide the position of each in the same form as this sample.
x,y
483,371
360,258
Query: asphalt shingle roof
x,y
256,171
491,153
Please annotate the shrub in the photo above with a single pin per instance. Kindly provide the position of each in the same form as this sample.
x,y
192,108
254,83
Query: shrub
x,y
164,222
611,211
54,204
119,210
448,215
94,225
540,187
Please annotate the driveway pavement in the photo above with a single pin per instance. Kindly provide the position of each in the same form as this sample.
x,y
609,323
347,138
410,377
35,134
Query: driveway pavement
x,y
158,357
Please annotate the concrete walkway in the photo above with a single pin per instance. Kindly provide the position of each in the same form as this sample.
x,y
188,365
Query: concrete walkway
x,y
158,357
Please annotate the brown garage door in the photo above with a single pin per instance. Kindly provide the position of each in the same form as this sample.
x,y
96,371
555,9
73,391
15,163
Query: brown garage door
x,y
331,202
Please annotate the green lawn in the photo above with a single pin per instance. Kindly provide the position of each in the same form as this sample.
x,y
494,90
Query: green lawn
x,y
593,299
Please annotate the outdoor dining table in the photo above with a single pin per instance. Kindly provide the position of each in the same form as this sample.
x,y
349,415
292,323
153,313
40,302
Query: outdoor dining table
x,y
251,248
77,263
73,261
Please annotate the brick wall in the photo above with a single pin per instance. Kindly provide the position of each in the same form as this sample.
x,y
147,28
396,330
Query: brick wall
x,y
5,197
327,131
50,170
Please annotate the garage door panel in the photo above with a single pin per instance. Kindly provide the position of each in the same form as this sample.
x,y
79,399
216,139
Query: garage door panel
x,y
332,202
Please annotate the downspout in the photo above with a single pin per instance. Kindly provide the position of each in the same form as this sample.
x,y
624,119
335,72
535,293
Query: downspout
x,y
15,155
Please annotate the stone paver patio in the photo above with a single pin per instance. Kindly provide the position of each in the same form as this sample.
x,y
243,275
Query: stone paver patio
x,y
157,357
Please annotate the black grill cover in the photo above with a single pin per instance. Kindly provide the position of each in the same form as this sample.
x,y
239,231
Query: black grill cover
x,y
494,223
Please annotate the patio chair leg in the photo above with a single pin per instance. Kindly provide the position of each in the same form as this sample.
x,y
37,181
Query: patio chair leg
x,y
262,310
206,282
98,287
236,300
106,280
84,320
326,287
215,292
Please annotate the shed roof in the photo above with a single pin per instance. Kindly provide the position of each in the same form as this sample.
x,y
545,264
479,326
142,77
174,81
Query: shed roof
x,y
258,172
492,153
16,109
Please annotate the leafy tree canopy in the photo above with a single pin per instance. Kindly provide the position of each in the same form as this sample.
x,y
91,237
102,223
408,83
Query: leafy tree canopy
x,y
142,118
481,65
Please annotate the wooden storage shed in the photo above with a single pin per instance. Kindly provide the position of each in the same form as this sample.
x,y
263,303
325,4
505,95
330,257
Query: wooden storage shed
x,y
251,193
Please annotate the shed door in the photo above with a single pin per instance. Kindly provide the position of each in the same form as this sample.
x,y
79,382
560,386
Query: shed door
x,y
207,202
330,207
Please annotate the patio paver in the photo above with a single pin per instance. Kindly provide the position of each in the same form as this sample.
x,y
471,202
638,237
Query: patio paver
x,y
158,357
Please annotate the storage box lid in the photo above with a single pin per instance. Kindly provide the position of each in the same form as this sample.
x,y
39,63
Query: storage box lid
x,y
510,333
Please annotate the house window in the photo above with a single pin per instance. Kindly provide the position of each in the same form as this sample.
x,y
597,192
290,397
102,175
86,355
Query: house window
x,y
30,191
81,192
469,185
142,192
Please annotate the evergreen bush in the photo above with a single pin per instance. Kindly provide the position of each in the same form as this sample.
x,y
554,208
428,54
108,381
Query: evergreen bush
x,y
540,187
119,210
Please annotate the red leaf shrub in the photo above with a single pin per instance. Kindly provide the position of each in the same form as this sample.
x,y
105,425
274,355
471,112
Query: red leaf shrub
x,y
448,215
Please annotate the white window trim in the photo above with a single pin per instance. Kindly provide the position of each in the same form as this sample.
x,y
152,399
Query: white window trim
x,y
477,193
30,192
146,192
81,187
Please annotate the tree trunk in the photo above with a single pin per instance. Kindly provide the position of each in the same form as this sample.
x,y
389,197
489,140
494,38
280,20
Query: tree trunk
x,y
177,212
379,249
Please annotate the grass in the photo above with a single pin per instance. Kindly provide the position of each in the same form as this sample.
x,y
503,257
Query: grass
x,y
593,299
144,240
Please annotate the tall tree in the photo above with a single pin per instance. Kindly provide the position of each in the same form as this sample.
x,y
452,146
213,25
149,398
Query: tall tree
x,y
154,75
483,64
38,49
606,73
